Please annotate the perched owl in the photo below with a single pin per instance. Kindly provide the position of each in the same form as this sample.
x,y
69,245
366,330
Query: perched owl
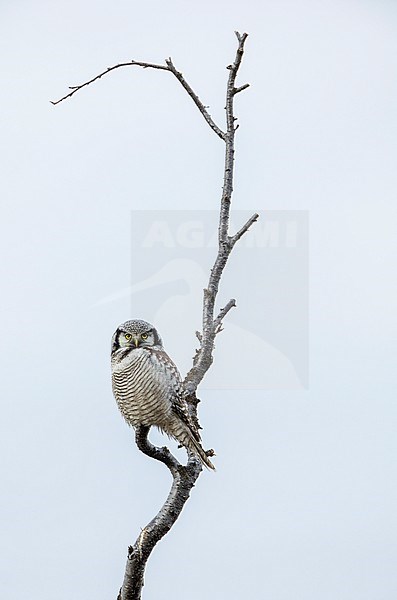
x,y
148,387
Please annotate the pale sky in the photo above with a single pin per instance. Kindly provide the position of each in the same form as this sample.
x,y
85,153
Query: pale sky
x,y
302,506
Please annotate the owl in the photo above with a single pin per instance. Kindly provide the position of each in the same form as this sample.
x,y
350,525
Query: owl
x,y
147,386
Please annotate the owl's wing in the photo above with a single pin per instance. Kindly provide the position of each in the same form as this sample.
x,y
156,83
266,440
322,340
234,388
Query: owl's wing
x,y
180,408
178,402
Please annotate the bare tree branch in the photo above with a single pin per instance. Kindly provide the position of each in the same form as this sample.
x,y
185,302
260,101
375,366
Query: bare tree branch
x,y
195,99
241,88
161,454
222,314
203,358
235,238
185,476
169,66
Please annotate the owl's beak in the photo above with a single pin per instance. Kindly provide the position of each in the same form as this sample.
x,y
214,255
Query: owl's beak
x,y
136,342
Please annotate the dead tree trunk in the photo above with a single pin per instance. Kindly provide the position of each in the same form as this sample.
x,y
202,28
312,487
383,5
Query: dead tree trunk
x,y
185,476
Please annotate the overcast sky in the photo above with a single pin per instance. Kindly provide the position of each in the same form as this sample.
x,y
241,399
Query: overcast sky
x,y
303,503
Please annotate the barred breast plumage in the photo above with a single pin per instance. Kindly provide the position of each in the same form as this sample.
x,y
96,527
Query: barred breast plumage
x,y
147,386
142,386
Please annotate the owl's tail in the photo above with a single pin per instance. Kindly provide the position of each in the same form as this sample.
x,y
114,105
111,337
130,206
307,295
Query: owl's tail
x,y
187,438
201,454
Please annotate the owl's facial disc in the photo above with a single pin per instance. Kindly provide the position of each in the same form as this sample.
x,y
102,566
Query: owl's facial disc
x,y
135,334
136,339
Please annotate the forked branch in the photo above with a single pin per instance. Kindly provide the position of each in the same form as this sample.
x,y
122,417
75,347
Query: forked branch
x,y
185,476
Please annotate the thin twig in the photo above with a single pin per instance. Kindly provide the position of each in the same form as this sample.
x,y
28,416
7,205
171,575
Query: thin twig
x,y
222,314
235,238
241,88
77,88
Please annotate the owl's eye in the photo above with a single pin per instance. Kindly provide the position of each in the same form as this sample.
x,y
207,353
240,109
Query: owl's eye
x,y
127,336
144,336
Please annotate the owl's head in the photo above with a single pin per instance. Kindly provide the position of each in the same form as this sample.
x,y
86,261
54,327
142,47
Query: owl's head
x,y
136,334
